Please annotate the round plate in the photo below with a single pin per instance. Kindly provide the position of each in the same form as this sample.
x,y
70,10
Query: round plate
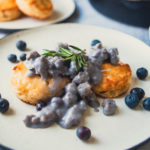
x,y
121,131
62,10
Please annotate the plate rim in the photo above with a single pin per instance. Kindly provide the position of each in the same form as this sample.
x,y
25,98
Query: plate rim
x,y
58,21
72,24
84,25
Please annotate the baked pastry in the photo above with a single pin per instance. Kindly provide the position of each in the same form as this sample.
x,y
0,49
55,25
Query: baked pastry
x,y
115,81
40,9
9,10
33,89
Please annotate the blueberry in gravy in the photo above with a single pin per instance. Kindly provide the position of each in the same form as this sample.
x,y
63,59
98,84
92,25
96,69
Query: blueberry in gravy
x,y
109,107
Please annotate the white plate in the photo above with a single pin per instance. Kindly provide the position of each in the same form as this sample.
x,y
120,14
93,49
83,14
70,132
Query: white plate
x,y
62,10
123,130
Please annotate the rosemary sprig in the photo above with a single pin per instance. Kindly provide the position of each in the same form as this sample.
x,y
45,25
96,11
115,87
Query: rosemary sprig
x,y
68,55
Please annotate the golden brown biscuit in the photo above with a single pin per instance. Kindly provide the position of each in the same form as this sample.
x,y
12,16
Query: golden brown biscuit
x,y
33,89
115,81
40,9
9,10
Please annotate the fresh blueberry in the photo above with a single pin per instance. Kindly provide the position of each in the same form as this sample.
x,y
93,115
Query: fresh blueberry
x,y
21,45
4,105
139,92
146,103
142,73
12,58
23,57
94,42
132,100
83,133
40,105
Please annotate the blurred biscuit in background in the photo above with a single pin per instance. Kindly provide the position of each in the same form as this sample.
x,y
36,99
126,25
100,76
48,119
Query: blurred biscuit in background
x,y
40,9
9,10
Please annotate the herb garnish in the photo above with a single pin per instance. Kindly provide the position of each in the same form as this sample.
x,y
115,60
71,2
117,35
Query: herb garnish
x,y
67,54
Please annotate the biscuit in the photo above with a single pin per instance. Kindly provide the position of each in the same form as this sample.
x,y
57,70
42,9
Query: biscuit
x,y
9,10
33,89
115,81
40,9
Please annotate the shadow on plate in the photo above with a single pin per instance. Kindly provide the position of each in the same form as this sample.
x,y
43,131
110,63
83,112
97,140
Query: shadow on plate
x,y
115,9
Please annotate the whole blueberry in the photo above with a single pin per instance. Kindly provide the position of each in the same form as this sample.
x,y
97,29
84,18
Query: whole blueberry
x,y
40,105
83,133
12,58
132,100
94,42
23,57
4,105
146,103
139,92
142,73
21,45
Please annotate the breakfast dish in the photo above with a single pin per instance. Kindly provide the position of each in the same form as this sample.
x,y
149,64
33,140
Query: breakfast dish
x,y
9,10
44,78
97,125
49,12
52,69
40,9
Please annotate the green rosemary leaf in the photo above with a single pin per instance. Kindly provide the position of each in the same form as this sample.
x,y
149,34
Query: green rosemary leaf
x,y
74,47
68,58
79,61
65,51
46,50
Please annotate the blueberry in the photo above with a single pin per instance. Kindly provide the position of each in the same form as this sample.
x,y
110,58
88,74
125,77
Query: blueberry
x,y
146,103
21,45
132,100
40,105
94,42
142,73
4,105
139,92
12,58
83,133
23,57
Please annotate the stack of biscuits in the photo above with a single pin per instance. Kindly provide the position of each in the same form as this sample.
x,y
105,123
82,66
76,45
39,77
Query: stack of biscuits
x,y
13,9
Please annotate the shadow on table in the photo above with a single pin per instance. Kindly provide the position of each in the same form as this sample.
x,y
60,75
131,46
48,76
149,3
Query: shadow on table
x,y
116,10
